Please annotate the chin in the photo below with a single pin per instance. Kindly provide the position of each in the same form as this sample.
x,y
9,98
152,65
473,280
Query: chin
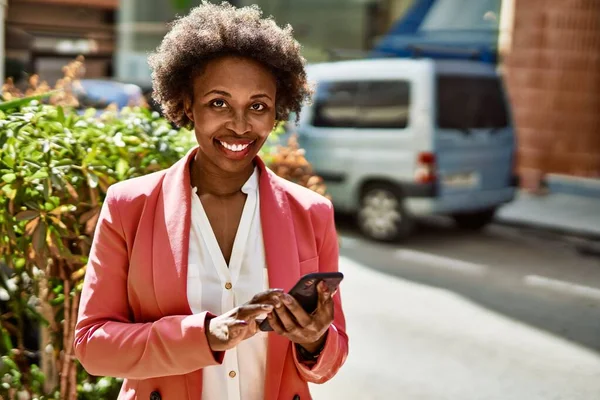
x,y
234,166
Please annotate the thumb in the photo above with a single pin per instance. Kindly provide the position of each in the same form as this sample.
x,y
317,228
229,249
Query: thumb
x,y
324,293
237,330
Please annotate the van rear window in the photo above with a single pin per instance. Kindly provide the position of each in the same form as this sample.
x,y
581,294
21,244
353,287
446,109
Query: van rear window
x,y
335,104
470,102
366,104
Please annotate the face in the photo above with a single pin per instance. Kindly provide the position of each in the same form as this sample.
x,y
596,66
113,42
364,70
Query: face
x,y
233,110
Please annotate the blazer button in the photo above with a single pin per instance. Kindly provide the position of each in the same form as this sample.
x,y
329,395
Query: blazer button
x,y
155,395
296,397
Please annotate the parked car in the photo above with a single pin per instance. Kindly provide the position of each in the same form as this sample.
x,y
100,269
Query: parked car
x,y
397,139
98,93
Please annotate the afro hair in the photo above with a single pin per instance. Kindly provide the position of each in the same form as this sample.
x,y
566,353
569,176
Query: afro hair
x,y
210,31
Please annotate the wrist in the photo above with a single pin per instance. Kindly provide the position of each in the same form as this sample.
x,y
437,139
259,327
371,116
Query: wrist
x,y
316,347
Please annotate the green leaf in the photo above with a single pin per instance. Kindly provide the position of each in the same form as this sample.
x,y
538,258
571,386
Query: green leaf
x,y
26,215
47,188
60,114
9,178
90,113
9,191
122,167
33,163
6,360
92,180
19,263
18,103
58,300
33,205
39,237
40,174
6,342
64,162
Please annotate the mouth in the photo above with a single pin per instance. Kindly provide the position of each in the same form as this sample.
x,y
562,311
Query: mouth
x,y
235,150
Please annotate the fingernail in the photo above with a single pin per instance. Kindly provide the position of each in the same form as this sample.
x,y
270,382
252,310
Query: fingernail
x,y
276,301
267,307
287,299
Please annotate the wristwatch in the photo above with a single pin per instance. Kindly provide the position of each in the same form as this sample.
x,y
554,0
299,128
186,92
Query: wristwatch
x,y
307,356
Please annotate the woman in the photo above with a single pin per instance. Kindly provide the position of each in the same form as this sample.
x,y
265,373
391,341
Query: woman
x,y
183,259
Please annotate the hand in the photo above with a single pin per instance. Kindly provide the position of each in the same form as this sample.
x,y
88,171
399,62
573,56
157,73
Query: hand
x,y
290,320
227,330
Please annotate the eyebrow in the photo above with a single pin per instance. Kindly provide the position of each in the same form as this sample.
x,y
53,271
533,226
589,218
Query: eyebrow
x,y
226,94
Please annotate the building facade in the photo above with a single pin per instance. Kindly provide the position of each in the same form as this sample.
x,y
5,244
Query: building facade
x,y
44,35
551,54
327,29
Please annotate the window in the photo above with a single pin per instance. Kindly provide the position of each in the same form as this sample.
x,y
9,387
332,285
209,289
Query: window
x,y
468,102
384,104
335,104
368,104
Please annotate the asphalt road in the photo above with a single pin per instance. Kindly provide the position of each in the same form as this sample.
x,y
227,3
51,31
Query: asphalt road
x,y
455,315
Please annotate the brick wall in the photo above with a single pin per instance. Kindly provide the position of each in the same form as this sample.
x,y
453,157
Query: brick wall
x,y
553,76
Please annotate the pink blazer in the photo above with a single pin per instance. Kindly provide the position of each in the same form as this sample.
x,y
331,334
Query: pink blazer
x,y
134,318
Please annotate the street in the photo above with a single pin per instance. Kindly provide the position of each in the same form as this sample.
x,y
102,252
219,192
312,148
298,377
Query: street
x,y
501,314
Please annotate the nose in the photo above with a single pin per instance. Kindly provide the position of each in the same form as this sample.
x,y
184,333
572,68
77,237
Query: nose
x,y
238,124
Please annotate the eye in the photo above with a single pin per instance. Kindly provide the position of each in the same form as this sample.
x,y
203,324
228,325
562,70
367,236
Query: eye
x,y
257,107
218,103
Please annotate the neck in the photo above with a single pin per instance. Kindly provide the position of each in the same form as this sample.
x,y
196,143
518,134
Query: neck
x,y
209,179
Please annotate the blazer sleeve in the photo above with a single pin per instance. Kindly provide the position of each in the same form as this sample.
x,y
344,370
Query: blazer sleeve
x,y
335,350
107,342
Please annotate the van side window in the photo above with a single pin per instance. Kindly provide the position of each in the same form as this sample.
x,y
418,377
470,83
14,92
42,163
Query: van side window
x,y
384,104
470,102
335,104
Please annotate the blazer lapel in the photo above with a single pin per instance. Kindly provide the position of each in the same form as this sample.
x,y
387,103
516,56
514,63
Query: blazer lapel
x,y
171,239
283,264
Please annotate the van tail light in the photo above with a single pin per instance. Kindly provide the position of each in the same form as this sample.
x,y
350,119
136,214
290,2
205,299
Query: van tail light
x,y
426,168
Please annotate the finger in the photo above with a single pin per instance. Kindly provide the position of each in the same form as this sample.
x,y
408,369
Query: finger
x,y
252,328
288,322
275,323
236,329
324,309
301,316
251,311
324,293
265,297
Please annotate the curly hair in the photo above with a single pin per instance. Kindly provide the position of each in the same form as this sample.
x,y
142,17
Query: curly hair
x,y
210,31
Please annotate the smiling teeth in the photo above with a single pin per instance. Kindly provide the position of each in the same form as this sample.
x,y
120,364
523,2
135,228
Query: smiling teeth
x,y
234,147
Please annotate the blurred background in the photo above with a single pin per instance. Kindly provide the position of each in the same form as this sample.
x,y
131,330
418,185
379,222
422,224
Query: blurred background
x,y
460,143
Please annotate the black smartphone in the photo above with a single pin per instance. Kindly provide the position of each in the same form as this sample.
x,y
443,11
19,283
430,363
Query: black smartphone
x,y
305,292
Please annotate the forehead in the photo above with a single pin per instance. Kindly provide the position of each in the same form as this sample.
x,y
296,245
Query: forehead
x,y
238,74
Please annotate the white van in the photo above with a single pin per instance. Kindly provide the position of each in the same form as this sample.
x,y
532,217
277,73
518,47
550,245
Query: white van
x,y
396,139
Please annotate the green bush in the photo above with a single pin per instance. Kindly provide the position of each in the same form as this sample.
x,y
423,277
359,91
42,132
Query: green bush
x,y
55,168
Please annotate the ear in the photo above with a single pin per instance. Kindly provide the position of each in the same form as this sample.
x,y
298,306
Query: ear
x,y
188,106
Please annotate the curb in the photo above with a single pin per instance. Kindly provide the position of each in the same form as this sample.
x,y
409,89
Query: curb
x,y
584,242
551,230
584,187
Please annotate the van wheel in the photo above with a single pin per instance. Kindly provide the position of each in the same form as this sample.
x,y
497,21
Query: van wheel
x,y
381,215
474,221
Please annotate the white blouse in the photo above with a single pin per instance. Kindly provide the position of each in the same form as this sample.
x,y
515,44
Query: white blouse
x,y
213,286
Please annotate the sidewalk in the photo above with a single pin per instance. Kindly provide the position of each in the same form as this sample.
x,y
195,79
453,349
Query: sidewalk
x,y
562,213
